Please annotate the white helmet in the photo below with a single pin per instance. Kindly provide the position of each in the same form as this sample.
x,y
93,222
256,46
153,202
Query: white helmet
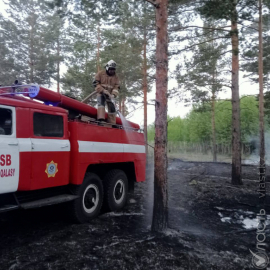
x,y
111,65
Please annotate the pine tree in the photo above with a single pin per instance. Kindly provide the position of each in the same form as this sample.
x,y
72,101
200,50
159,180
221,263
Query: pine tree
x,y
8,69
251,48
25,33
204,73
227,10
58,41
143,23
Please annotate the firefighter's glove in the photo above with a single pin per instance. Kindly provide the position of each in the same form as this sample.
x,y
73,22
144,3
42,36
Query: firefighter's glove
x,y
115,92
107,94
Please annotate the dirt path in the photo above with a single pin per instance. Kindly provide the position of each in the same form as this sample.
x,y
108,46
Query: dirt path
x,y
207,219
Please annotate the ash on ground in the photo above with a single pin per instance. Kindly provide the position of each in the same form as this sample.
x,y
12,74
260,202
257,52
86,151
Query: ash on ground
x,y
212,225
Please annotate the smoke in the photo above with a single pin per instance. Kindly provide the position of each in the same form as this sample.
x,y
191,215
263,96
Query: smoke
x,y
254,157
149,194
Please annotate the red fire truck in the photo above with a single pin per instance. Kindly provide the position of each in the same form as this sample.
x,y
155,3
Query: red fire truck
x,y
52,150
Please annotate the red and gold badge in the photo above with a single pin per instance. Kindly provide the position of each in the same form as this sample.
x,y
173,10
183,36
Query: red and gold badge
x,y
51,169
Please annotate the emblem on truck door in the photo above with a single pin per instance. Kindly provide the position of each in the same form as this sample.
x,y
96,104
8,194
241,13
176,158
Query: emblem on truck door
x,y
51,169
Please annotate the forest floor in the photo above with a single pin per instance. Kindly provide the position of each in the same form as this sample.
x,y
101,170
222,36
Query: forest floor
x,y
212,225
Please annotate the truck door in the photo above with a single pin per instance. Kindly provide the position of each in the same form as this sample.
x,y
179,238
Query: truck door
x,y
9,150
50,150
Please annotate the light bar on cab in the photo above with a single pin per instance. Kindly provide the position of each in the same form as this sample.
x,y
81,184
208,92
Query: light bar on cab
x,y
30,90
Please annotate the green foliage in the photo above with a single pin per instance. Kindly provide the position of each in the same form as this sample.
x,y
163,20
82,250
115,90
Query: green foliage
x,y
225,9
81,56
199,126
8,68
250,55
223,121
202,76
217,9
196,126
267,106
177,130
249,117
25,34
29,37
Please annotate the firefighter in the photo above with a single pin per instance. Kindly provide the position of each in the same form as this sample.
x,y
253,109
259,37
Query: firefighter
x,y
107,85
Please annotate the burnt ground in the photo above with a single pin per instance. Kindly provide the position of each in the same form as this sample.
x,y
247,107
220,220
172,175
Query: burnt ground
x,y
206,227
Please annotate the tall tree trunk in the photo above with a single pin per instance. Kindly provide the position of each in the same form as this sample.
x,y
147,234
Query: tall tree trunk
x,y
98,47
123,106
236,136
145,86
213,111
160,211
261,109
213,99
31,48
58,64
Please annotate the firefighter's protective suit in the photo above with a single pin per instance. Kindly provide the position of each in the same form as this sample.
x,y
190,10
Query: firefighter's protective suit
x,y
107,86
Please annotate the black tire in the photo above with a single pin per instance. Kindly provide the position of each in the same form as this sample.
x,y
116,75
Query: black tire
x,y
116,190
89,203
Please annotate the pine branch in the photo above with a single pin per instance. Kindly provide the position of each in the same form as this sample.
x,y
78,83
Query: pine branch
x,y
153,3
193,37
211,84
177,12
190,47
225,70
248,27
180,28
224,53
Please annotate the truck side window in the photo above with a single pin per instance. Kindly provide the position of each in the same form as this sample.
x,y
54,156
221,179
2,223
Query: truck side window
x,y
48,125
5,121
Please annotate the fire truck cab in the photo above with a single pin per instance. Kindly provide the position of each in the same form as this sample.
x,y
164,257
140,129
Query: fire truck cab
x,y
48,156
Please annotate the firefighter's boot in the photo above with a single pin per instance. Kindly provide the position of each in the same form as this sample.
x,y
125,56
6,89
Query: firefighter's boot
x,y
112,119
101,114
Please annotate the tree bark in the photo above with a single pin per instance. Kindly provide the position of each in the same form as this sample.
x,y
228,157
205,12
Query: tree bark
x,y
213,101
236,135
145,86
123,106
160,211
261,109
31,48
213,127
98,47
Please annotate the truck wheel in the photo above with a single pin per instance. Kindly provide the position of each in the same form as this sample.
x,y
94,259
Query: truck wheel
x,y
116,189
88,205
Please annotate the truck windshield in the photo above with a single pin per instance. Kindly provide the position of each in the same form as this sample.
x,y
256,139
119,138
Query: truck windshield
x,y
5,121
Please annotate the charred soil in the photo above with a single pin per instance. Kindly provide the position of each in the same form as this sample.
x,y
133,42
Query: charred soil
x,y
212,225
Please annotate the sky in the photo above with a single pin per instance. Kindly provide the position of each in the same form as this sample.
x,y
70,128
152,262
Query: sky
x,y
2,5
176,108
